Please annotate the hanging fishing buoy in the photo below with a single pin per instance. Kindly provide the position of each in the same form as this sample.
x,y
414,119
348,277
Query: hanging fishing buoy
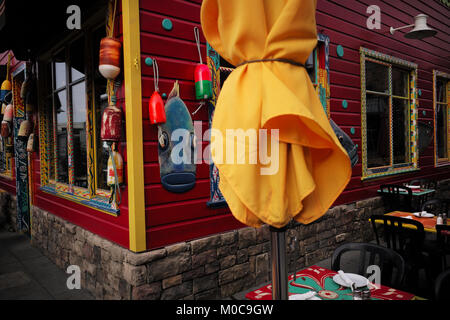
x,y
111,122
5,89
6,85
109,63
202,74
31,143
118,161
25,129
156,109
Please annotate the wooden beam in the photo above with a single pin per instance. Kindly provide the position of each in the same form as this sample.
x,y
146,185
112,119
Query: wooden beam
x,y
133,106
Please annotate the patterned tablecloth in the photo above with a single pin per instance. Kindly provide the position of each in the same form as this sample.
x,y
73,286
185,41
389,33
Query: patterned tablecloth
x,y
321,280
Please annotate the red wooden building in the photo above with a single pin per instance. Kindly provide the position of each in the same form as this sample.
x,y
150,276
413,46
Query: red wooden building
x,y
379,87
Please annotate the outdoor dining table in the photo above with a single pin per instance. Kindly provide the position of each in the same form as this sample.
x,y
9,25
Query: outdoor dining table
x,y
315,278
429,224
415,192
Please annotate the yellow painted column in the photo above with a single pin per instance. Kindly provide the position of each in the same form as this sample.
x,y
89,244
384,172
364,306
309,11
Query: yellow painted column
x,y
133,105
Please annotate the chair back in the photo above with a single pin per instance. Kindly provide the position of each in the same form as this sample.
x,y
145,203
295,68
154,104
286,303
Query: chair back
x,y
432,206
445,206
396,197
442,286
423,183
405,236
443,236
392,265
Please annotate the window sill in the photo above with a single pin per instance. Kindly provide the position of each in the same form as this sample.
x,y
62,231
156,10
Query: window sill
x,y
98,203
388,172
442,164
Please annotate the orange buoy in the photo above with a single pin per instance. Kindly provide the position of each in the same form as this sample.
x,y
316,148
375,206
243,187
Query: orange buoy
x,y
109,62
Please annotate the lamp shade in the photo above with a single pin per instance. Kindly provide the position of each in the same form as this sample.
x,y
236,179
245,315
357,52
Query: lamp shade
x,y
421,29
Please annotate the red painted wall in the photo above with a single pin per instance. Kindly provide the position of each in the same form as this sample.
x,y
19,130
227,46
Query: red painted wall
x,y
175,217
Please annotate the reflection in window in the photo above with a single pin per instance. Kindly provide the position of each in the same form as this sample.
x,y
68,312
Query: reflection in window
x,y
377,77
61,136
400,127
377,113
79,134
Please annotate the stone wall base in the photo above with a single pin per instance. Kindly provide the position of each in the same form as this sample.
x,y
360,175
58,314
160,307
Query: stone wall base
x,y
213,267
8,214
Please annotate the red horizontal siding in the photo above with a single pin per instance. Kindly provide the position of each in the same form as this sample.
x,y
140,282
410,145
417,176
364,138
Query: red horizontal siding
x,y
177,217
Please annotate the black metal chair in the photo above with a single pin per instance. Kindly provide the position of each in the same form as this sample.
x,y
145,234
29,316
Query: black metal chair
x,y
442,286
396,197
406,237
432,206
445,206
423,183
391,264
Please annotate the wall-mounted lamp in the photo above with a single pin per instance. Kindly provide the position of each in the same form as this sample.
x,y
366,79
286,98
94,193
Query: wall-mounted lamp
x,y
421,29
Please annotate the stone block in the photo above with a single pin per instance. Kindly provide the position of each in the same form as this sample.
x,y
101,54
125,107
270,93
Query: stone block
x,y
169,266
138,259
247,237
172,281
208,243
204,257
227,262
177,292
205,283
134,275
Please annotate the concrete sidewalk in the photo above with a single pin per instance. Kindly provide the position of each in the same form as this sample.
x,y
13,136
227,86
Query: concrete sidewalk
x,y
26,274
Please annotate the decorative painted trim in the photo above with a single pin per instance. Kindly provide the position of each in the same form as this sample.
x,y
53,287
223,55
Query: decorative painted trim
x,y
213,60
21,159
371,55
437,162
133,116
99,203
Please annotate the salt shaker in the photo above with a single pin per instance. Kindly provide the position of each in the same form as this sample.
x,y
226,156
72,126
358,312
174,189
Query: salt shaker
x,y
439,219
357,294
366,294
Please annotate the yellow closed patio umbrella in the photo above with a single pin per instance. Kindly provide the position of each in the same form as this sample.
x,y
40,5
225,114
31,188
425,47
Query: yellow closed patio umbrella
x,y
313,167
269,41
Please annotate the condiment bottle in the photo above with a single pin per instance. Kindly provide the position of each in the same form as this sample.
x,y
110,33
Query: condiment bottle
x,y
440,220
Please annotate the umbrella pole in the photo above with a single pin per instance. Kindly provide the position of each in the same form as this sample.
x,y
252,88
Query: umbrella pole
x,y
279,271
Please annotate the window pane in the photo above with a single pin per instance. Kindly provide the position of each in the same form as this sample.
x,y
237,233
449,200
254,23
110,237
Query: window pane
x,y
61,136
377,117
101,102
400,79
377,77
400,128
441,127
441,95
60,70
79,135
77,64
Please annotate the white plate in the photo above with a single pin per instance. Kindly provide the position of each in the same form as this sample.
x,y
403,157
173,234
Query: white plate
x,y
413,187
423,215
359,281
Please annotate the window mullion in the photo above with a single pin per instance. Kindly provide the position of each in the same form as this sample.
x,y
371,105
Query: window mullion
x,y
70,164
